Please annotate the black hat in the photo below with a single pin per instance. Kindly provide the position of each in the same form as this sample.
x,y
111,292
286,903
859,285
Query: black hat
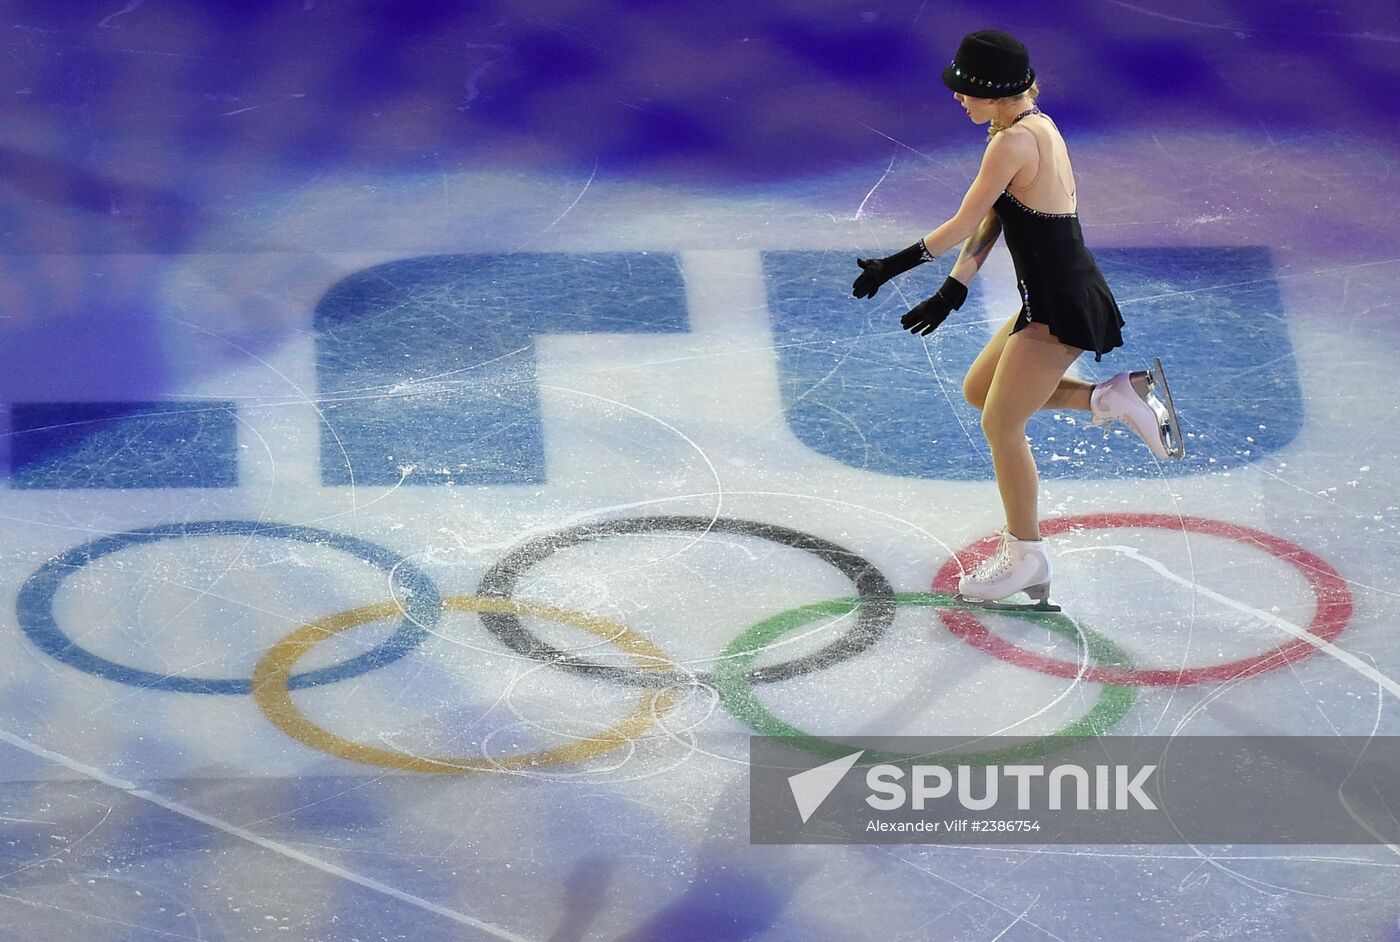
x,y
990,64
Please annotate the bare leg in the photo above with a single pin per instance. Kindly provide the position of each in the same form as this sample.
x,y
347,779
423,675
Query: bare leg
x,y
1068,394
1028,373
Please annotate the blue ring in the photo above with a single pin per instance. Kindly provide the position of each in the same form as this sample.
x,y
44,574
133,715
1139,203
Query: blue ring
x,y
34,606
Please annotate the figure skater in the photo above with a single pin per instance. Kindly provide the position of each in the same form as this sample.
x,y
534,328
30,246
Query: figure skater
x,y
1025,190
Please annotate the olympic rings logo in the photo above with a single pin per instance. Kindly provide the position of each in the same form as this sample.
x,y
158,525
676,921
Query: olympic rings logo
x,y
418,605
272,693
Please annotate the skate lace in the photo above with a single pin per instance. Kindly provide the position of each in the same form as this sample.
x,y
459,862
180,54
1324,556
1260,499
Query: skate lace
x,y
996,564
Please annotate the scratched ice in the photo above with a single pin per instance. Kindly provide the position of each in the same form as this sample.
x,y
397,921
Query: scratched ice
x,y
328,329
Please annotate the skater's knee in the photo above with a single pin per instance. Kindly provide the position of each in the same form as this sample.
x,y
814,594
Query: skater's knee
x,y
975,391
999,426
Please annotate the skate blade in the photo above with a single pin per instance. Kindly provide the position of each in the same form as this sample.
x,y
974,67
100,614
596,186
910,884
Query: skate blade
x,y
1171,422
1042,606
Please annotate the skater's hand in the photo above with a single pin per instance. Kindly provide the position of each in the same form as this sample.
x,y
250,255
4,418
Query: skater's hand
x,y
872,276
924,317
876,271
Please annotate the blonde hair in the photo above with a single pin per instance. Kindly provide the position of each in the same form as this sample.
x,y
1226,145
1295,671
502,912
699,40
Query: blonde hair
x,y
996,126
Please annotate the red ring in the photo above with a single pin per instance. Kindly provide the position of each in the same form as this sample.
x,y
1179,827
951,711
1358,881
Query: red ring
x,y
1334,605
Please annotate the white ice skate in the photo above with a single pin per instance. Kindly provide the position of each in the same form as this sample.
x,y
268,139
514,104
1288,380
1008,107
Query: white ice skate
x,y
1016,566
1141,401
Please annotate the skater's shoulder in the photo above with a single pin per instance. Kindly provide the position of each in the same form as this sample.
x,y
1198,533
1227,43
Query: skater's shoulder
x,y
1014,146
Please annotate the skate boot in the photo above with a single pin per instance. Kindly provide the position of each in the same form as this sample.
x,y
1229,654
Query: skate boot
x,y
1016,566
1141,401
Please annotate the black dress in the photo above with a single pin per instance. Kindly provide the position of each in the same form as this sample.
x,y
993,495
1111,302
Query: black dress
x,y
1060,283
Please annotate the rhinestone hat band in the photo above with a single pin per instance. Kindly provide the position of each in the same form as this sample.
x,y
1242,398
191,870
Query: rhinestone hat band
x,y
957,70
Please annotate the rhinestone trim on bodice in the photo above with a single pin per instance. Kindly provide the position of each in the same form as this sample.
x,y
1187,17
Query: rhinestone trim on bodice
x,y
1036,212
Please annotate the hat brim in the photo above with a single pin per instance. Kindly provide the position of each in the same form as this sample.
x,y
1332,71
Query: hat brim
x,y
961,85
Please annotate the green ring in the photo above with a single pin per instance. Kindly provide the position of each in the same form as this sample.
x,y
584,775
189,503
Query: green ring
x,y
739,697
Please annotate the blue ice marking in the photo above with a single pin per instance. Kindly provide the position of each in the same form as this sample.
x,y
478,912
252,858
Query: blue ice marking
x,y
61,445
858,388
34,606
860,391
1216,318
426,366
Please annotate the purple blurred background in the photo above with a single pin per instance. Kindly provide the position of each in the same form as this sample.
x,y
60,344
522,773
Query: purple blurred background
x,y
157,119
139,133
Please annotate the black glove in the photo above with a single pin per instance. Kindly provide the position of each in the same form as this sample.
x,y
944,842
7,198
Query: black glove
x,y
877,271
929,313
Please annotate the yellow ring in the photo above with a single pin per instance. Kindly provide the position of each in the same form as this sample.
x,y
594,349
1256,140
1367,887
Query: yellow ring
x,y
275,699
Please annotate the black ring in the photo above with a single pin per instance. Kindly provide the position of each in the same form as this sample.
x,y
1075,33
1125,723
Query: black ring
x,y
874,614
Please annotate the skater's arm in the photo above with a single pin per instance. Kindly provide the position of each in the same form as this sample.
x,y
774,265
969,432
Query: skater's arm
x,y
976,249
1002,159
999,164
928,314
